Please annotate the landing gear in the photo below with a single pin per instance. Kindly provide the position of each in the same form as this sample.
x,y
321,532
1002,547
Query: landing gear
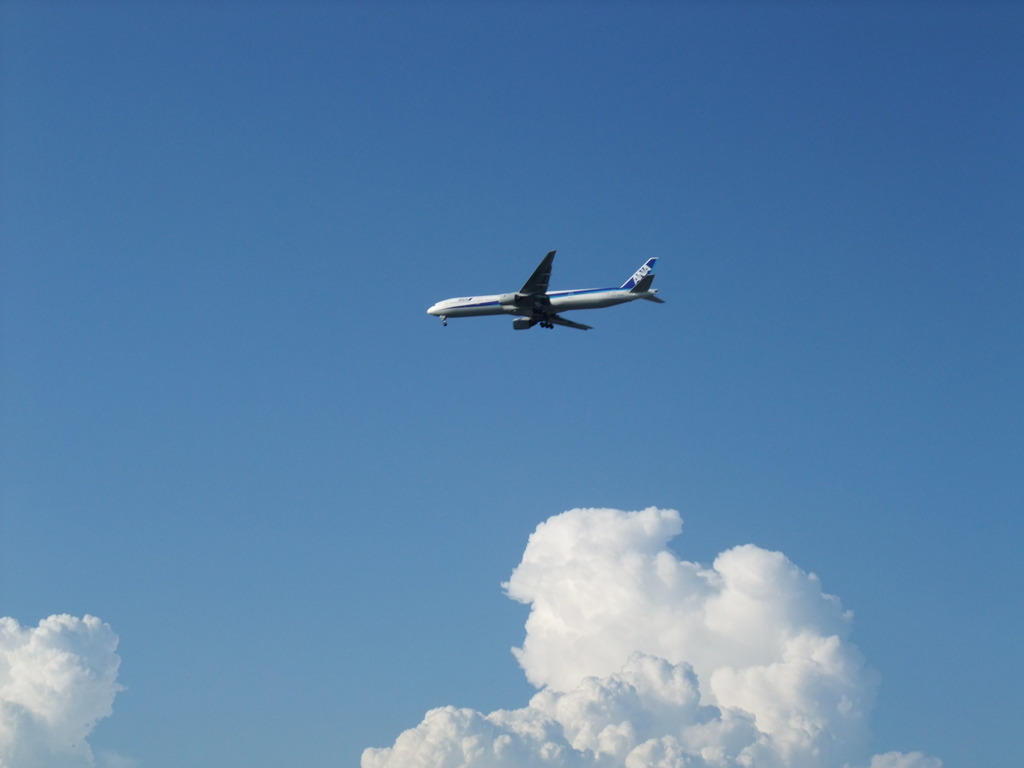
x,y
444,321
524,323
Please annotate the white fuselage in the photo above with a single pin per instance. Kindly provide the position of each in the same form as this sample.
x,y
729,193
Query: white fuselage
x,y
592,298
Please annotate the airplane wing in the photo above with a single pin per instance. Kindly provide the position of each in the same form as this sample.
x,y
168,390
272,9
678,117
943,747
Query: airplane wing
x,y
567,323
538,282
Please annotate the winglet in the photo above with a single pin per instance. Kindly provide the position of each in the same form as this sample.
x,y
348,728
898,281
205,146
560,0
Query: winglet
x,y
639,274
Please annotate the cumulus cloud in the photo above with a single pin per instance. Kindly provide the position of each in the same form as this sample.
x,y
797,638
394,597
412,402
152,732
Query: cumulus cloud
x,y
57,681
644,660
900,760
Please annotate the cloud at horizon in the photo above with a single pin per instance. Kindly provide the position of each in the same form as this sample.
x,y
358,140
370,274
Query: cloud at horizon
x,y
644,660
57,680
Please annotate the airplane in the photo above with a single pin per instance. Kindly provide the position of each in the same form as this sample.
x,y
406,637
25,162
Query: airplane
x,y
535,305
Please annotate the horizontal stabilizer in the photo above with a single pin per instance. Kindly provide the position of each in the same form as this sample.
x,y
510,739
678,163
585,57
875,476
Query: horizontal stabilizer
x,y
644,286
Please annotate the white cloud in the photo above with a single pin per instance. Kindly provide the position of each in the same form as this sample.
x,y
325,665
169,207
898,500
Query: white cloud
x,y
648,661
57,681
901,760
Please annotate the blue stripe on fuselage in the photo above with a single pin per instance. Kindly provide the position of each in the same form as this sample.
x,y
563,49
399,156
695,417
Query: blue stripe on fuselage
x,y
582,292
458,304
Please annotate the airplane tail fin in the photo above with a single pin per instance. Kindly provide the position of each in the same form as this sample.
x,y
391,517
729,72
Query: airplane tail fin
x,y
639,275
644,286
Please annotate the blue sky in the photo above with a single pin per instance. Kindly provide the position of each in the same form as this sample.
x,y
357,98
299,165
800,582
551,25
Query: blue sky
x,y
230,430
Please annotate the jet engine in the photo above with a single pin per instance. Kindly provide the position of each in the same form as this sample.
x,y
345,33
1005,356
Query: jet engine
x,y
522,323
512,299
